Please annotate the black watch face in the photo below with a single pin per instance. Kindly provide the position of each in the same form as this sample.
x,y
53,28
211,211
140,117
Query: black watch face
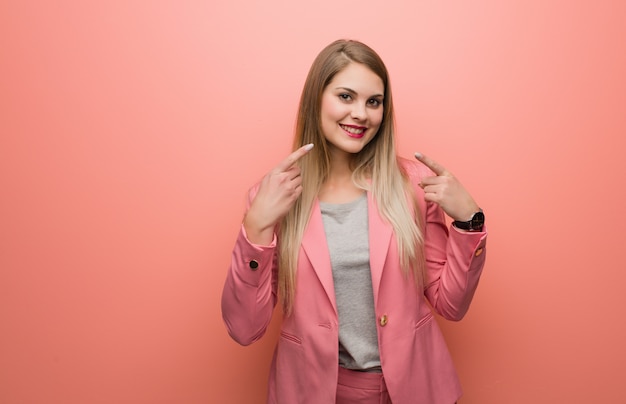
x,y
478,220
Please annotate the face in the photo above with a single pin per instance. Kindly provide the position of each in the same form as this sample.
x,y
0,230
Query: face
x,y
352,109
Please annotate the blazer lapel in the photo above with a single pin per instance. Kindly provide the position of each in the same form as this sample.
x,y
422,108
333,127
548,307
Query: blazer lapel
x,y
380,233
315,247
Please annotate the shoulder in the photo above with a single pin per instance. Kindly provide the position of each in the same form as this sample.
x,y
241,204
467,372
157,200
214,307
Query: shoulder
x,y
413,169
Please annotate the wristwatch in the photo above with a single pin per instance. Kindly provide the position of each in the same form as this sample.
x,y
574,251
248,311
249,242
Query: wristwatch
x,y
474,224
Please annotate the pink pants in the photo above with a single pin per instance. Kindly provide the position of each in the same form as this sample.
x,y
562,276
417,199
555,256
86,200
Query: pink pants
x,y
355,387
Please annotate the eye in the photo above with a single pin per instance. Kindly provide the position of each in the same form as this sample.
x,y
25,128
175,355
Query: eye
x,y
374,102
345,97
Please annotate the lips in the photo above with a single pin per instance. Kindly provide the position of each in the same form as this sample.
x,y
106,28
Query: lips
x,y
354,130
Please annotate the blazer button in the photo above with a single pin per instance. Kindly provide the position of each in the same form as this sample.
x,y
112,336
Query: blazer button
x,y
383,320
478,252
254,265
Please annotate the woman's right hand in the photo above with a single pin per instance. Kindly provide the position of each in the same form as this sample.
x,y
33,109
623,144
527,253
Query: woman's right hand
x,y
279,190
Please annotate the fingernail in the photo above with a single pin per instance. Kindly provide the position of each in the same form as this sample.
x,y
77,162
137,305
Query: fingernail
x,y
308,147
418,155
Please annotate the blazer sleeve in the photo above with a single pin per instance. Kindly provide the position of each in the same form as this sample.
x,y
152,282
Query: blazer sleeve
x,y
454,259
249,295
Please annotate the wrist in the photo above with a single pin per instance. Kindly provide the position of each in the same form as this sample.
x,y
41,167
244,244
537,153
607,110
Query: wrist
x,y
474,224
258,234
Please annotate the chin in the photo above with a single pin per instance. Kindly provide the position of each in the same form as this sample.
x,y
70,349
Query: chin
x,y
353,150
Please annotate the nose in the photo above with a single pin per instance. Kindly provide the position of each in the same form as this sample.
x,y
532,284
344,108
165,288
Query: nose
x,y
358,111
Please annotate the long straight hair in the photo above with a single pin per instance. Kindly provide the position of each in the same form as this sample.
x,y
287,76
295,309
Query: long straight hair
x,y
377,162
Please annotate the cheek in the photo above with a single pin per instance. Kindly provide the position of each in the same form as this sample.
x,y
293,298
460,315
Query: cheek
x,y
331,109
377,118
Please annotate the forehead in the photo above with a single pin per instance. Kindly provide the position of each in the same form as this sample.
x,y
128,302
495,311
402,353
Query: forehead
x,y
358,77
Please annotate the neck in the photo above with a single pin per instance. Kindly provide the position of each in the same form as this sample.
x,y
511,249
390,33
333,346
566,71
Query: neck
x,y
340,164
338,187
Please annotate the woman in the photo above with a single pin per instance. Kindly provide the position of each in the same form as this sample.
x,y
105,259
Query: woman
x,y
353,241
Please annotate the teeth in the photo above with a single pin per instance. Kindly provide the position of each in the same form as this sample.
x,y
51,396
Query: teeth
x,y
354,131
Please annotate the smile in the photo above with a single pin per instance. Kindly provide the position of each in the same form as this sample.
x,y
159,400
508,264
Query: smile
x,y
354,131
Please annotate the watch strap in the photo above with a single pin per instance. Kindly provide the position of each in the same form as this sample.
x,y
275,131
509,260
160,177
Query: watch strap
x,y
476,222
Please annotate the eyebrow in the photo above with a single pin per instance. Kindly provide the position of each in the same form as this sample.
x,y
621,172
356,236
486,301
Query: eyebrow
x,y
354,92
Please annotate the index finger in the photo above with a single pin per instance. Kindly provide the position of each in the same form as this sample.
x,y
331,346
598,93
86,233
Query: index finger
x,y
432,164
287,163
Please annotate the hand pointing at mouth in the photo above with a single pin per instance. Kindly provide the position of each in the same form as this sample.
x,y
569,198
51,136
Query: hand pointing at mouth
x,y
279,190
446,191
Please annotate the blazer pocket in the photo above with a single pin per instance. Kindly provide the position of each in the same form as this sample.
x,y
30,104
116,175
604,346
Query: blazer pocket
x,y
423,321
290,337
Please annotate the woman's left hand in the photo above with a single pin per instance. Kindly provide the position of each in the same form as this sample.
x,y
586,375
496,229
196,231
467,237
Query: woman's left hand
x,y
446,191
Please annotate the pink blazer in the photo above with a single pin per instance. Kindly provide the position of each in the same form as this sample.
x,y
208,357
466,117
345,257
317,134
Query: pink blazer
x,y
415,360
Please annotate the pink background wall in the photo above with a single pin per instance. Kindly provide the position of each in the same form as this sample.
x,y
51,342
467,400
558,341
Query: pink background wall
x,y
130,131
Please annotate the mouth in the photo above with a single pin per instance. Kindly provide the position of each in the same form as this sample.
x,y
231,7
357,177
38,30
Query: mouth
x,y
353,130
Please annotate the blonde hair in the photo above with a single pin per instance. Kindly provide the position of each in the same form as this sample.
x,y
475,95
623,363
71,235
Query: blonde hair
x,y
376,161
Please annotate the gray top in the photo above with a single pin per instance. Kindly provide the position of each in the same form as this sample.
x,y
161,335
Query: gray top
x,y
346,231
